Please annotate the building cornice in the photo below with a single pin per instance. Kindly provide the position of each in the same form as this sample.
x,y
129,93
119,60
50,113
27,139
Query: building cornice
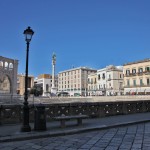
x,y
82,68
137,62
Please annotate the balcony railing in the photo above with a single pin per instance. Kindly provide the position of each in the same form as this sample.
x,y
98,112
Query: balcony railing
x,y
138,73
134,86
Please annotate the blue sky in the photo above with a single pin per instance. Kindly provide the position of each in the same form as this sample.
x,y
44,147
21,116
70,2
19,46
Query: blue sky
x,y
92,33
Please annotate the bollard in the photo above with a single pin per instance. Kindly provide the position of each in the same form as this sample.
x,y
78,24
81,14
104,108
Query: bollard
x,y
39,118
0,115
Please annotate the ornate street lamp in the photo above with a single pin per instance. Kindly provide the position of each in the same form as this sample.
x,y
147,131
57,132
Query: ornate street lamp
x,y
26,127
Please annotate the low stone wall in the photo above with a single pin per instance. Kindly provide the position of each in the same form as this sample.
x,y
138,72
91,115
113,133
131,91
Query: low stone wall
x,y
13,113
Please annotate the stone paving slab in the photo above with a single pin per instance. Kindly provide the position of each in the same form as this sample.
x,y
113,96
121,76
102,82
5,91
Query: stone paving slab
x,y
129,137
12,132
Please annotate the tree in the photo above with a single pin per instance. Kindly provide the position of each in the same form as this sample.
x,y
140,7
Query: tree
x,y
36,90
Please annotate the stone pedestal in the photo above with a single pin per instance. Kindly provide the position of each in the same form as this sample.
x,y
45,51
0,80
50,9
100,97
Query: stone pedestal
x,y
53,91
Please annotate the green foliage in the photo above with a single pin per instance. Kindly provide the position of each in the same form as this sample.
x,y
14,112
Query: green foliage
x,y
36,90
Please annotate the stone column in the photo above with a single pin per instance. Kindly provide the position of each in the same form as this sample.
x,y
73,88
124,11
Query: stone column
x,y
15,72
53,88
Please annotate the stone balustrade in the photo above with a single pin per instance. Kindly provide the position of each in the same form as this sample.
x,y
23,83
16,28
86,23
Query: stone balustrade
x,y
13,113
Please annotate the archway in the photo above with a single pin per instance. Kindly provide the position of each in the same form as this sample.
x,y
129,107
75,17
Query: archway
x,y
5,86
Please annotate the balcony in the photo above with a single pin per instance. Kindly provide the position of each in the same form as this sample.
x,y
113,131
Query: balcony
x,y
130,74
138,73
132,86
147,72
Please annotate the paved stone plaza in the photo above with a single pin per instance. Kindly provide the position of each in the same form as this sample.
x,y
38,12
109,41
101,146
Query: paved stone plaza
x,y
133,137
118,132
57,100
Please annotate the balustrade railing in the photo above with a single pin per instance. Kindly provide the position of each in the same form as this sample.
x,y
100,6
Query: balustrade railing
x,y
13,113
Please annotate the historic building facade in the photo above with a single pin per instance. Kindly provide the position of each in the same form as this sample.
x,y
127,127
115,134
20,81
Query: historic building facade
x,y
92,84
74,81
137,77
106,81
45,81
8,76
21,83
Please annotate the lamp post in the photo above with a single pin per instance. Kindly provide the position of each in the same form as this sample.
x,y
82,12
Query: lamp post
x,y
25,126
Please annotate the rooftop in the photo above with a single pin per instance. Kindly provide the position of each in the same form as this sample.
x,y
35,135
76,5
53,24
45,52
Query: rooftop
x,y
136,62
83,68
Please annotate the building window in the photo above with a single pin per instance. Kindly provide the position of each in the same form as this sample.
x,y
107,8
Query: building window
x,y
6,65
134,82
148,82
127,72
95,80
91,81
10,66
128,82
141,82
103,76
99,77
1,64
104,86
46,87
120,76
134,71
140,70
147,69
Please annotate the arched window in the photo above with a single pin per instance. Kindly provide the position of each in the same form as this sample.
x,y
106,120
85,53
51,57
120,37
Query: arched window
x,y
5,85
6,65
1,64
10,66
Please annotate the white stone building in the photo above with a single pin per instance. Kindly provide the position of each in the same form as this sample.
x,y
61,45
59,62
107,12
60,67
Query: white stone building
x,y
114,80
106,81
45,81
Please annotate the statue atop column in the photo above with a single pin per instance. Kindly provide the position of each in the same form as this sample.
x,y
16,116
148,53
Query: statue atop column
x,y
53,88
54,59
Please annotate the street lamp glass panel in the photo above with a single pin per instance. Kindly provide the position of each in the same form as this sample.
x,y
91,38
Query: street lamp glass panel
x,y
28,34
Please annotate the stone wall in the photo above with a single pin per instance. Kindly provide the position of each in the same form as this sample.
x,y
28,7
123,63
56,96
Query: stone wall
x,y
13,113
